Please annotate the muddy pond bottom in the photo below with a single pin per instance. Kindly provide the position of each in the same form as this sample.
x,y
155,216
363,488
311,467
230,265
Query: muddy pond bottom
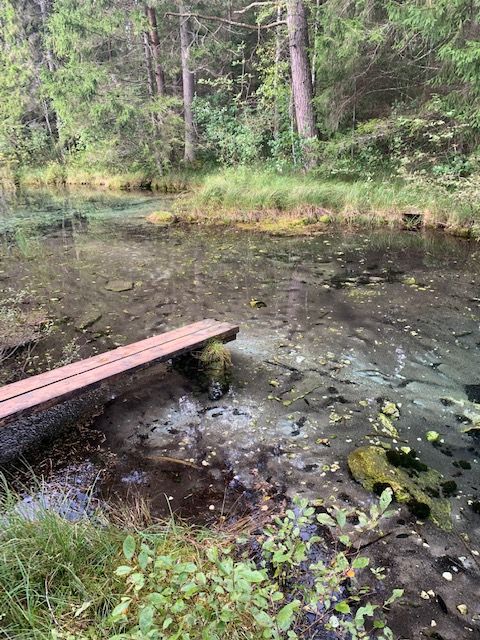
x,y
348,340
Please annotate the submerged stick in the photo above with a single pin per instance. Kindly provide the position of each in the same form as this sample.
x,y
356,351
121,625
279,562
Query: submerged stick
x,y
185,463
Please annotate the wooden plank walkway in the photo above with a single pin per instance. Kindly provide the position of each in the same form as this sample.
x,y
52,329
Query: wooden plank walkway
x,y
40,392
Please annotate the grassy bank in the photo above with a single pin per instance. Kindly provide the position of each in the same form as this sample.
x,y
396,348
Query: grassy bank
x,y
290,203
298,203
129,579
57,175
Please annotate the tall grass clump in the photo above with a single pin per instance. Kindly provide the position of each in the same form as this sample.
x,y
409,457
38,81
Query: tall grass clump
x,y
49,568
241,193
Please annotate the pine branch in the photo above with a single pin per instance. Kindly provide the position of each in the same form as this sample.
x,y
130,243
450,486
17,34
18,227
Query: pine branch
x,y
231,23
257,4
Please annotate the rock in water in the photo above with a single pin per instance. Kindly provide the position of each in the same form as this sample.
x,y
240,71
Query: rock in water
x,y
87,319
119,285
217,390
371,467
161,218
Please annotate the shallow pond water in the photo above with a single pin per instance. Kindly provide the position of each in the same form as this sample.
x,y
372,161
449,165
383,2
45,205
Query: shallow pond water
x,y
351,320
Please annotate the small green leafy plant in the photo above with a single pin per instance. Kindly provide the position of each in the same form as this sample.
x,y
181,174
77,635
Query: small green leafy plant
x,y
288,548
210,596
219,594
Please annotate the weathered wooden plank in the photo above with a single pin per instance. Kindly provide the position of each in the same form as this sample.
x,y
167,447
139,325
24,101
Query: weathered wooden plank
x,y
43,379
37,399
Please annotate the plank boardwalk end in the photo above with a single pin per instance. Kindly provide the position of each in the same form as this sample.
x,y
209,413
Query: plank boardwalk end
x,y
40,392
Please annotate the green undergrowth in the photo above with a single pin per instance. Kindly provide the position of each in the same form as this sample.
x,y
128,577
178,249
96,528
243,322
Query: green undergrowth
x,y
97,578
272,201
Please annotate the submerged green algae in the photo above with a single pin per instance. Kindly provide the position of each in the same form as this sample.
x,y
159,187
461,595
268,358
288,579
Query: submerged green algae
x,y
416,486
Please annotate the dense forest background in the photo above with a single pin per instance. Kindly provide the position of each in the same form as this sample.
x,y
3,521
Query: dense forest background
x,y
350,88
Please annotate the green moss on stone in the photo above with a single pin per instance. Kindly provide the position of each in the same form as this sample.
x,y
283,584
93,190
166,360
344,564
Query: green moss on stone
x,y
161,218
371,467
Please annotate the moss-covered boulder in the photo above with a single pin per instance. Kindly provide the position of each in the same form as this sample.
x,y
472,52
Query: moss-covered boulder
x,y
413,484
161,218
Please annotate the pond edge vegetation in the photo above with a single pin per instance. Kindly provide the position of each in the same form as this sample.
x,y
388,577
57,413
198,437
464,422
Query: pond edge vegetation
x,y
290,203
118,574
299,204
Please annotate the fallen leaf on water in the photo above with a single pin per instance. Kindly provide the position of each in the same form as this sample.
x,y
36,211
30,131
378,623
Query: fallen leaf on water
x,y
391,409
387,426
257,304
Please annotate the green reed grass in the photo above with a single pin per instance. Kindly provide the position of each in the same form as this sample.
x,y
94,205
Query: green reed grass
x,y
243,191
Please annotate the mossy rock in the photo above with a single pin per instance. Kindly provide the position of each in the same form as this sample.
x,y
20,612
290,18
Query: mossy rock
x,y
460,232
118,286
419,489
87,319
161,218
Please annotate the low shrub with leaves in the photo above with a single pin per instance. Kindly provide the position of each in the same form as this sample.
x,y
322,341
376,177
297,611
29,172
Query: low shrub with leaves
x,y
211,596
220,593
302,574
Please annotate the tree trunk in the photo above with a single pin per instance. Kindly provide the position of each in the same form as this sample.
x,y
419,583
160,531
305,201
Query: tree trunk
x,y
301,77
44,11
155,44
49,62
315,45
148,64
278,59
188,86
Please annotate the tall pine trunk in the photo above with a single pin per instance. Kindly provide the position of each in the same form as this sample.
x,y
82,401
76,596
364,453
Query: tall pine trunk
x,y
301,77
155,44
52,120
278,59
188,85
148,64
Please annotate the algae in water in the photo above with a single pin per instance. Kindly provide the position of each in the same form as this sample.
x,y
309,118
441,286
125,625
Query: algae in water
x,y
416,486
